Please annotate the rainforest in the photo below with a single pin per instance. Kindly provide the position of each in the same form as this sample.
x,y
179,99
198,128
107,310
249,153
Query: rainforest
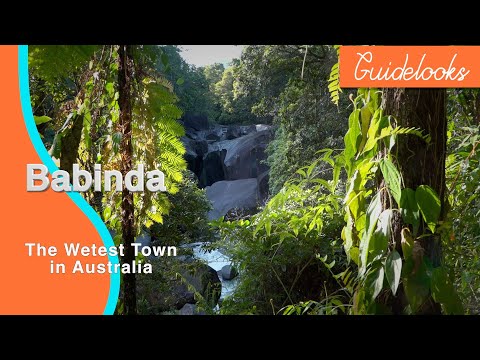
x,y
285,193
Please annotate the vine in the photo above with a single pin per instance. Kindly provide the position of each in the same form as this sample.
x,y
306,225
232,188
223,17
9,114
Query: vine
x,y
370,208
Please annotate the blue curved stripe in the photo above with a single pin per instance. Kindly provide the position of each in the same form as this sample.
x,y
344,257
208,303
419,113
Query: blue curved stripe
x,y
47,160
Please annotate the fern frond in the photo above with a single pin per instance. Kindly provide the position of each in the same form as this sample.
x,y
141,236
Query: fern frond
x,y
171,126
172,172
155,217
176,160
334,80
165,83
403,131
173,141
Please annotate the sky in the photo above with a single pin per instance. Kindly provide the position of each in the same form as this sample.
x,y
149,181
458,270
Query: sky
x,y
201,55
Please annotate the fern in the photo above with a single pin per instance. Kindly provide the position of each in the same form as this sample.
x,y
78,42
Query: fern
x,y
172,127
55,62
165,83
169,140
334,80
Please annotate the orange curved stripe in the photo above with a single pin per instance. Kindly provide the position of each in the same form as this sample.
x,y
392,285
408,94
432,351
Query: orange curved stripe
x,y
48,218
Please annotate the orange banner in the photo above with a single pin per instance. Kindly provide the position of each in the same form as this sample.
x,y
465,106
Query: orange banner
x,y
49,218
409,66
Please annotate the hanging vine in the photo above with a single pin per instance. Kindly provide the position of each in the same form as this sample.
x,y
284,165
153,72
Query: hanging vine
x,y
370,207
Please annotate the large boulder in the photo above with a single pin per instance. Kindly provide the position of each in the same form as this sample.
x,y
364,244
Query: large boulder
x,y
229,272
262,127
248,129
165,296
190,309
213,168
205,280
196,122
212,137
245,156
226,195
191,156
195,150
233,132
173,292
263,187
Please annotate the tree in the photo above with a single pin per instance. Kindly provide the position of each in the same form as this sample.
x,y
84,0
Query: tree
x,y
59,74
125,78
213,74
117,110
287,86
420,163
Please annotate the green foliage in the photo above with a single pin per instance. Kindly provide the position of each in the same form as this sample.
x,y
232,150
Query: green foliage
x,y
370,213
279,251
192,85
289,255
429,205
81,81
392,178
461,239
409,209
334,80
187,219
41,119
393,270
54,63
299,106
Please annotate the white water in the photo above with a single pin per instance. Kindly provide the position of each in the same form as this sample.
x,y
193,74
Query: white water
x,y
216,260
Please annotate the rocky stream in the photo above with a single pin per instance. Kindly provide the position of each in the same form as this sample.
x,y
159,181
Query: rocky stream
x,y
229,162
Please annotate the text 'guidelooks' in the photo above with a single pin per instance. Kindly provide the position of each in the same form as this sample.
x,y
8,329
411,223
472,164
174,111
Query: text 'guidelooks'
x,y
409,67
82,180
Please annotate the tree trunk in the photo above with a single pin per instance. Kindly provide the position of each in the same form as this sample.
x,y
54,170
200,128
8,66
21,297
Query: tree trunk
x,y
420,163
125,78
69,145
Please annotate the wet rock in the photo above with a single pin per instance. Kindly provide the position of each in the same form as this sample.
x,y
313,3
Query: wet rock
x,y
196,122
190,309
263,188
229,272
226,195
213,168
205,280
173,292
213,137
233,132
245,156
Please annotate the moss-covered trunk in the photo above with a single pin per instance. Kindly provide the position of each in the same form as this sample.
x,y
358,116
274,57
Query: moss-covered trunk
x,y
70,143
125,79
420,163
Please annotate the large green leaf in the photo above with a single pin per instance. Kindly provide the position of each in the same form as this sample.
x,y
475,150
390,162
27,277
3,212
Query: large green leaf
x,y
378,243
365,117
107,212
392,178
444,293
374,282
378,123
385,223
429,204
373,213
409,209
393,270
351,139
41,119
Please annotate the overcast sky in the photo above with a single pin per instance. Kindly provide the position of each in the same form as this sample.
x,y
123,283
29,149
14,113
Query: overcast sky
x,y
201,55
